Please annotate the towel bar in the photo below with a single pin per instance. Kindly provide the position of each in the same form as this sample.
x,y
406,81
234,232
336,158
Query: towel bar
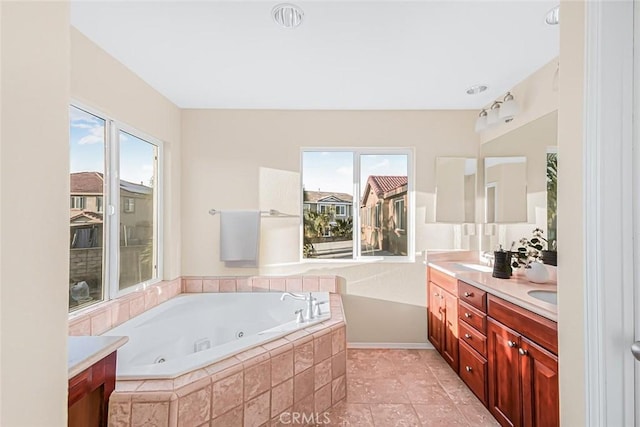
x,y
270,212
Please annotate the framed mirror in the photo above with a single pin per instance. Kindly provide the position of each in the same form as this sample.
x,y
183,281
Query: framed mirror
x,y
456,189
505,185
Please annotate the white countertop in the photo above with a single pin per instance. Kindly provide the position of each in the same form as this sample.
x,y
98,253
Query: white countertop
x,y
515,290
85,351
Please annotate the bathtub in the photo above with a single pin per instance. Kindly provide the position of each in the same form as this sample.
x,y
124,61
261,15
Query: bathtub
x,y
191,331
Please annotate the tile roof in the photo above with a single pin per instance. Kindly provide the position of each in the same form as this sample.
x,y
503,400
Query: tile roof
x,y
93,183
383,184
316,196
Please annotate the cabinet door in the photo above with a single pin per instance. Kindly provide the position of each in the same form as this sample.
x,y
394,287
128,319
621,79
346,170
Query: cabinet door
x,y
540,395
435,320
505,399
450,339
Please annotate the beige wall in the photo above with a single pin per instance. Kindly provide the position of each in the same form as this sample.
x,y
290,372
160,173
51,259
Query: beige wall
x,y
570,214
535,96
34,83
101,82
251,160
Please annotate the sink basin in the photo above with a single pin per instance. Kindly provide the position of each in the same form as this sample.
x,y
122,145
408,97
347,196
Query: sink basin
x,y
463,266
547,296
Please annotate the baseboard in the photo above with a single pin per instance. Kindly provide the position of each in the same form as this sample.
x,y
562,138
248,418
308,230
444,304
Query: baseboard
x,y
398,345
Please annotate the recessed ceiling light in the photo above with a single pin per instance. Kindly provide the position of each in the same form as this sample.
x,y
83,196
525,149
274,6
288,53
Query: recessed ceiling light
x,y
476,89
553,16
287,15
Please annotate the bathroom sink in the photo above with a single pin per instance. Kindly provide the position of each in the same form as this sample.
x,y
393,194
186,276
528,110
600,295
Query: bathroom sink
x,y
463,266
547,296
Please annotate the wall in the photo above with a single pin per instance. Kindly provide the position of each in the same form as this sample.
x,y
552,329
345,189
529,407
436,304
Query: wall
x,y
34,138
101,82
251,159
536,97
570,214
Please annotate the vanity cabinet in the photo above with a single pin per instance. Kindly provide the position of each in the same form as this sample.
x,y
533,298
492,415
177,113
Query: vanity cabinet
x,y
522,366
443,315
89,392
472,325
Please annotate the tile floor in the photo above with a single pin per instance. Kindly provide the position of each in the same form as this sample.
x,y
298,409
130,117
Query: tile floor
x,y
388,388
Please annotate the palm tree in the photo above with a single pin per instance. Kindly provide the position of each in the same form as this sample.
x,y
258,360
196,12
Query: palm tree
x,y
343,227
315,224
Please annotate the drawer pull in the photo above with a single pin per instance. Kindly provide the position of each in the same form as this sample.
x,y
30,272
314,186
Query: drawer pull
x,y
467,315
468,294
468,368
467,336
511,344
523,352
436,295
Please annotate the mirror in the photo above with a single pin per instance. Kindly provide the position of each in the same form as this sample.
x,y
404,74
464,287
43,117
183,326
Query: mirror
x,y
537,142
505,183
456,189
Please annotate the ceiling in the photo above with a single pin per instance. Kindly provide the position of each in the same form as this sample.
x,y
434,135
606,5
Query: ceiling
x,y
364,55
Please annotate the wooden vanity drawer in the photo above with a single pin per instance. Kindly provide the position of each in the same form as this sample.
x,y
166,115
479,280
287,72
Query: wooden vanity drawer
x,y
472,337
448,283
473,296
472,316
473,371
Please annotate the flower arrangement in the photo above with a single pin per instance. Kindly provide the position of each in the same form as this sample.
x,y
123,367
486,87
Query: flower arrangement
x,y
530,250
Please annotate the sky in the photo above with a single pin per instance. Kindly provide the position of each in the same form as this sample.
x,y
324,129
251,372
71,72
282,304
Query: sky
x,y
87,135
333,171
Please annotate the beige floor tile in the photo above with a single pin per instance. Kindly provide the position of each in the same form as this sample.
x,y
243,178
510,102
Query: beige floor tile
x,y
394,415
350,414
440,416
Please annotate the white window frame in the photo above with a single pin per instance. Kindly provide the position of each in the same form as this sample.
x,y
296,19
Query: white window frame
x,y
411,229
339,208
111,206
129,205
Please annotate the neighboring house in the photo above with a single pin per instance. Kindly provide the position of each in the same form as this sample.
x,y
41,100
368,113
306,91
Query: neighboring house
x,y
337,205
383,214
87,208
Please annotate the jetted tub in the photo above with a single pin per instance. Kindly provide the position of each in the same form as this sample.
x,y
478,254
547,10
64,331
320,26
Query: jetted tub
x,y
191,331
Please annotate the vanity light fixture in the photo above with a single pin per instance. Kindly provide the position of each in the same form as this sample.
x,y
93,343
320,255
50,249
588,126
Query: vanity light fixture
x,y
494,113
287,15
553,16
481,121
508,109
500,112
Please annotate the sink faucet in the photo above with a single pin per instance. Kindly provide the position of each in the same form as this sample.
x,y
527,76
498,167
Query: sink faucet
x,y
308,313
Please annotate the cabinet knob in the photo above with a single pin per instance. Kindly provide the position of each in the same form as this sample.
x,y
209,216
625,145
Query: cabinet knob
x,y
468,294
512,344
467,336
523,352
467,315
436,295
468,368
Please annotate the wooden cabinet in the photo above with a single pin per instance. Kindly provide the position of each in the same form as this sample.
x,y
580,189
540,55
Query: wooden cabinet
x,y
443,315
89,392
523,375
472,325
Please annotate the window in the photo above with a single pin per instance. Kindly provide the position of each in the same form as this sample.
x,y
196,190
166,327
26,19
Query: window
x,y
112,253
306,207
128,205
399,215
552,199
367,200
77,202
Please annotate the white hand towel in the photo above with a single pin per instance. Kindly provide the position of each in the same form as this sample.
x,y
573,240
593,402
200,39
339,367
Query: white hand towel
x,y
239,238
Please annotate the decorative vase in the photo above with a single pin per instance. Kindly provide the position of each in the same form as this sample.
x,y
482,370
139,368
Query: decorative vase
x,y
536,273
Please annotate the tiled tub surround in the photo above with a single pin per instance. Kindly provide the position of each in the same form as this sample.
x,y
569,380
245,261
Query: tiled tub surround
x,y
198,329
302,372
103,316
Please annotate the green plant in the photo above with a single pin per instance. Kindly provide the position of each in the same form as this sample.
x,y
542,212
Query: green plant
x,y
530,250
552,198
343,227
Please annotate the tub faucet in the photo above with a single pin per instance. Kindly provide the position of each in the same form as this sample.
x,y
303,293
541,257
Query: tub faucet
x,y
308,313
